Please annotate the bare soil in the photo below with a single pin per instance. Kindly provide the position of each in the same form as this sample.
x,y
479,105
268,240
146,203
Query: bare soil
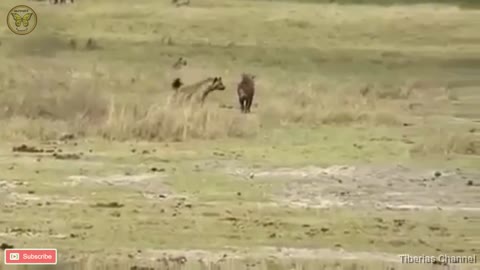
x,y
395,187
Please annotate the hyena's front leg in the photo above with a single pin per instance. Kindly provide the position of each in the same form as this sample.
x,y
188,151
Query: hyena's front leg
x,y
242,102
249,104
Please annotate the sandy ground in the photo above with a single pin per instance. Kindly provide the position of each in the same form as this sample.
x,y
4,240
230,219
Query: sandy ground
x,y
251,259
362,187
395,187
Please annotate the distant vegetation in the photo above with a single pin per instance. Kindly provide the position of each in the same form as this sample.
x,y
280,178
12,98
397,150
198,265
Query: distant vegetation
x,y
460,3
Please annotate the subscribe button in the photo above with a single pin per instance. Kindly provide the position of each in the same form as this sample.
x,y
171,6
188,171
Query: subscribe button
x,y
30,256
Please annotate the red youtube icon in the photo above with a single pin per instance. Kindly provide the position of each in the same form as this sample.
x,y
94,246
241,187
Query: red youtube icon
x,y
30,256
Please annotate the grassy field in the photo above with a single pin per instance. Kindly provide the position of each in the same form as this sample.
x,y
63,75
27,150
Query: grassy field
x,y
363,142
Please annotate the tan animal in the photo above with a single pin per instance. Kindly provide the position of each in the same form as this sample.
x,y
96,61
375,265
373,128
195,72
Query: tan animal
x,y
246,91
200,90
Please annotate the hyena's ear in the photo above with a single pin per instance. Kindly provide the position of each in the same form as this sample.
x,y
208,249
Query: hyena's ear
x,y
177,83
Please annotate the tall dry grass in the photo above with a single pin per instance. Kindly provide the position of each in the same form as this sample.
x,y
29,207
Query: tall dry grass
x,y
339,105
94,103
89,113
100,104
446,142
45,107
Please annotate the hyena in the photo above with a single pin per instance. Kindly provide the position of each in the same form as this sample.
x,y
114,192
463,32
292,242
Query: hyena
x,y
204,88
246,91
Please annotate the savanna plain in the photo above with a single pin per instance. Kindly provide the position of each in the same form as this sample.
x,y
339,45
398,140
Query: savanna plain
x,y
363,141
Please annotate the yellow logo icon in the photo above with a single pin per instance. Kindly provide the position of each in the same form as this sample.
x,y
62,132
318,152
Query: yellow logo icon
x,y
22,20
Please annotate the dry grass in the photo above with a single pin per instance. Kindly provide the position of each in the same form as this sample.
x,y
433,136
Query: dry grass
x,y
122,97
103,104
336,84
93,114
448,143
88,107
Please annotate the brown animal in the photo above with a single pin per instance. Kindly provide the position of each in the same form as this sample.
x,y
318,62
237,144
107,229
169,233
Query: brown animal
x,y
205,87
246,91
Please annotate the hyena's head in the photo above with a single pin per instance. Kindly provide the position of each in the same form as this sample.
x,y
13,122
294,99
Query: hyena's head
x,y
248,77
217,84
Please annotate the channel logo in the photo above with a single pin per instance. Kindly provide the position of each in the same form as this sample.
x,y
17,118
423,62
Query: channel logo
x,y
30,256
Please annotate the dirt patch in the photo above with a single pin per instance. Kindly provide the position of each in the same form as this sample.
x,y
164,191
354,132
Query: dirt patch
x,y
394,187
8,185
15,198
269,252
151,185
251,259
67,156
108,205
12,198
115,180
23,197
235,258
18,232
54,151
27,149
225,161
